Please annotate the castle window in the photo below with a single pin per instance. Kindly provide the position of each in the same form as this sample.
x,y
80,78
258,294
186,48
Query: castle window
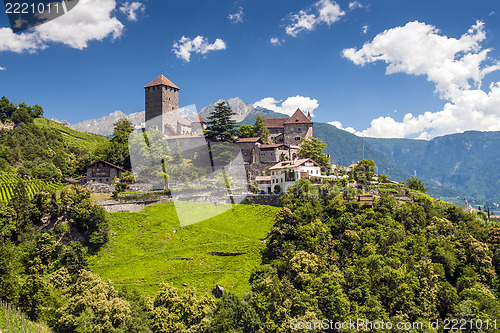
x,y
299,129
297,138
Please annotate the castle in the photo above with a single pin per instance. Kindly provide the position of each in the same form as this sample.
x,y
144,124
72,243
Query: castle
x,y
162,110
285,134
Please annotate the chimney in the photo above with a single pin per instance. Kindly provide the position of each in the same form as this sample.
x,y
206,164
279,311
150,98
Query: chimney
x,y
308,115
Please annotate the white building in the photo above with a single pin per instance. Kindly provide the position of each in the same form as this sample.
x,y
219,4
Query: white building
x,y
287,173
264,183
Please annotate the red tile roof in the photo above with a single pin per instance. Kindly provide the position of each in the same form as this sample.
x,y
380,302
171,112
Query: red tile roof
x,y
249,139
298,118
292,164
184,121
161,80
171,129
199,119
275,122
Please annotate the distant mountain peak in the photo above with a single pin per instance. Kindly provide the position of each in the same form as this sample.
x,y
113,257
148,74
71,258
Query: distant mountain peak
x,y
104,125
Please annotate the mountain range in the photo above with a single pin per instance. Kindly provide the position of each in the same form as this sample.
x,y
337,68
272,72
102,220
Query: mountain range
x,y
453,166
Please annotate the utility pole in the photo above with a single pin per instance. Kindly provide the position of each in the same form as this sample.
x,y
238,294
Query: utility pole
x,y
363,149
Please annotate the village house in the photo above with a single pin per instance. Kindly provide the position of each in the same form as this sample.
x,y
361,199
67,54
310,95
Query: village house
x,y
103,172
264,183
285,174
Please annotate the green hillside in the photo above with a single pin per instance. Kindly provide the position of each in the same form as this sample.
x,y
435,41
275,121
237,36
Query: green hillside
x,y
73,138
8,183
467,162
38,147
144,250
346,148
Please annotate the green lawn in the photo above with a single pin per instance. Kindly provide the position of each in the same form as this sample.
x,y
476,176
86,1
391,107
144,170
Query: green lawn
x,y
144,250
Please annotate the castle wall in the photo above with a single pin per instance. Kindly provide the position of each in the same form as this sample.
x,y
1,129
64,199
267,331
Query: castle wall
x,y
293,133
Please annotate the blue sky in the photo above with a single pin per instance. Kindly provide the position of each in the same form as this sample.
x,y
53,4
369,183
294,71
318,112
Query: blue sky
x,y
385,68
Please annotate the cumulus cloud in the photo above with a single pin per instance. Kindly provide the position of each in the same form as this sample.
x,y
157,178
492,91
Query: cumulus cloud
x,y
2,68
290,105
323,11
364,30
89,20
236,17
456,67
275,41
339,125
185,46
131,9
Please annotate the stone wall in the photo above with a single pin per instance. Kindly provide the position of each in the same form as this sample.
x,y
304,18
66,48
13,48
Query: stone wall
x,y
292,131
159,101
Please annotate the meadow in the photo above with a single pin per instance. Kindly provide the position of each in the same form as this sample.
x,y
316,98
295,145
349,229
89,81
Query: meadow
x,y
149,247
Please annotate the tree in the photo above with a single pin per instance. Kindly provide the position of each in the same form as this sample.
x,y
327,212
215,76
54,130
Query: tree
x,y
383,179
260,128
220,125
313,148
175,312
415,184
122,130
364,170
245,131
117,151
21,115
234,314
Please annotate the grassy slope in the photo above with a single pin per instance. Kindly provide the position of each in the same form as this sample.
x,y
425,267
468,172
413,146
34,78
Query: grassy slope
x,y
73,137
140,243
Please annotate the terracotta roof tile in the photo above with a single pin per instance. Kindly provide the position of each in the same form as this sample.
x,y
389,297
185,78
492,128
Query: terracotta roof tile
x,y
275,122
249,140
291,164
171,129
199,119
298,118
161,80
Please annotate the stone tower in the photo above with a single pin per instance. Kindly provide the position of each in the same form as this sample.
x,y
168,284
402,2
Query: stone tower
x,y
161,97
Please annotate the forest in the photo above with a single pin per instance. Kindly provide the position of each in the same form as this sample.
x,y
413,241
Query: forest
x,y
325,258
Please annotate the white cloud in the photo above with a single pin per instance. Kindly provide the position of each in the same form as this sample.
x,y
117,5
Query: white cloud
x,y
455,66
323,11
89,20
339,125
131,9
236,17
185,46
2,68
364,29
290,105
354,5
275,41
